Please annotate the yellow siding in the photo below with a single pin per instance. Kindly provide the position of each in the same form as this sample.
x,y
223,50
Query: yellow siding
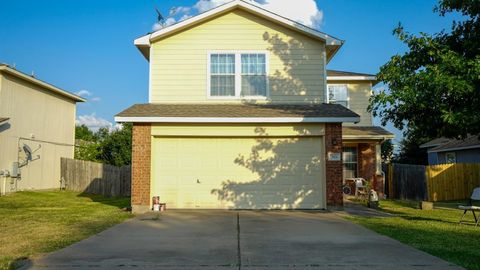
x,y
49,118
179,63
246,173
239,130
359,93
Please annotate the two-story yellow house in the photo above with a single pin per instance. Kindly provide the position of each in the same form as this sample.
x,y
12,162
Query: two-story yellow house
x,y
242,113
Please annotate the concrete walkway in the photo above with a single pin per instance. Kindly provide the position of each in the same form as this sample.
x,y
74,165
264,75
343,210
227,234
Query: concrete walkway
x,y
239,240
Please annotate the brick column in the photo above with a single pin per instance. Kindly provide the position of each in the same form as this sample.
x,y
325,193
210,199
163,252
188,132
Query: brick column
x,y
367,166
366,161
141,157
334,169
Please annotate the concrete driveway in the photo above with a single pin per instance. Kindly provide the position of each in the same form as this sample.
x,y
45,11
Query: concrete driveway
x,y
239,240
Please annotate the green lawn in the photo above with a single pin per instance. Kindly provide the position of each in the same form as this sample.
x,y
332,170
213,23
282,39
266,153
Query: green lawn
x,y
434,231
37,222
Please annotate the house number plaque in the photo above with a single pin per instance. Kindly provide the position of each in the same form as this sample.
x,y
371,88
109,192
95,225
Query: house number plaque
x,y
333,156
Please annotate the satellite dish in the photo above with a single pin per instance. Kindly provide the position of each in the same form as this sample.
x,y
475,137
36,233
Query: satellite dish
x,y
28,152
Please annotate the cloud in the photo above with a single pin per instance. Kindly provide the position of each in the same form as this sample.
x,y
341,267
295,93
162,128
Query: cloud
x,y
93,122
302,11
179,10
169,21
83,93
305,12
204,5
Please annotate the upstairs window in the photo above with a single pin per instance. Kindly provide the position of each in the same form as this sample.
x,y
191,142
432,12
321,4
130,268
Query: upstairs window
x,y
254,75
222,78
338,94
238,75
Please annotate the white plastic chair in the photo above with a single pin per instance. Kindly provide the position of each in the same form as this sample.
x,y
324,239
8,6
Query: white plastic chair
x,y
475,197
360,187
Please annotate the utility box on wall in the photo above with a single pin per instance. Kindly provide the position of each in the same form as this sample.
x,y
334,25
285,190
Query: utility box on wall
x,y
15,172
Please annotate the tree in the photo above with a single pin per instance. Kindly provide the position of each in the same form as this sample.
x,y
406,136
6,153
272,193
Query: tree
x,y
86,146
116,147
387,151
84,133
411,153
434,88
105,146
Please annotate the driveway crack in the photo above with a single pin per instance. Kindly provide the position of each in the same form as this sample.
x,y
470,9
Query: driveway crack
x,y
239,254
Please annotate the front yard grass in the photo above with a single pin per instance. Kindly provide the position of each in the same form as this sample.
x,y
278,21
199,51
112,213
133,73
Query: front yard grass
x,y
434,231
38,222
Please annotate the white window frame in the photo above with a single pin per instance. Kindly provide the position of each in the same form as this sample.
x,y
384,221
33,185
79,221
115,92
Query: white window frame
x,y
451,154
356,161
238,75
338,84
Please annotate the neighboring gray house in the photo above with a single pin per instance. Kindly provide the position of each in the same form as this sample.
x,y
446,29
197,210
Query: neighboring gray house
x,y
444,150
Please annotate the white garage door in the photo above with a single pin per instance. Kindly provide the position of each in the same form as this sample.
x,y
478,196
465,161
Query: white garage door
x,y
241,173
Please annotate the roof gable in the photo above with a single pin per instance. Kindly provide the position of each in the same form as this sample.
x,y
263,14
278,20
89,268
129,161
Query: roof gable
x,y
22,76
333,44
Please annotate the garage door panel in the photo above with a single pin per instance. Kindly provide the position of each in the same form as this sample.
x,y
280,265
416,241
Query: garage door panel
x,y
238,172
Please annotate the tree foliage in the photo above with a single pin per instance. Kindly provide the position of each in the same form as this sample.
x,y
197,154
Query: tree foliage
x,y
434,88
387,151
105,146
411,153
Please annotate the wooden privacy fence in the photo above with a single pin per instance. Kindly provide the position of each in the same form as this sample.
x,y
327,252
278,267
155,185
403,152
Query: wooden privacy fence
x,y
406,182
95,178
433,183
452,181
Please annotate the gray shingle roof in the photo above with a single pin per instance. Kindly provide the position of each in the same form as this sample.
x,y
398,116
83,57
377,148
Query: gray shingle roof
x,y
471,141
234,111
435,142
347,73
365,131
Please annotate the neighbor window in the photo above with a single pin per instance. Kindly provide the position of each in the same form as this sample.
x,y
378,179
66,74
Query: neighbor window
x,y
238,75
338,94
450,157
349,162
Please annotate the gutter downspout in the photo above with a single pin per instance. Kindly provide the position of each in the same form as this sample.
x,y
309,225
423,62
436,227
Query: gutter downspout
x,y
381,170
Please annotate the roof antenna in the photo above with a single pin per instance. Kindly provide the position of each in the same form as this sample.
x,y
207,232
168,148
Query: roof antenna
x,y
33,73
160,18
14,66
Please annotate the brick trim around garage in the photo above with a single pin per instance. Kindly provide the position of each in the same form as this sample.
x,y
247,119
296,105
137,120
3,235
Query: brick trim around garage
x,y
141,162
333,169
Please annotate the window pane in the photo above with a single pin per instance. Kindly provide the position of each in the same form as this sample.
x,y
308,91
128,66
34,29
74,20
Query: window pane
x,y
222,64
254,77
338,94
222,79
349,162
254,85
253,64
221,85
350,170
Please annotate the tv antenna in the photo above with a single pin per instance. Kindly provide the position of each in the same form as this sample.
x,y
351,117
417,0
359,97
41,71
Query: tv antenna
x,y
160,18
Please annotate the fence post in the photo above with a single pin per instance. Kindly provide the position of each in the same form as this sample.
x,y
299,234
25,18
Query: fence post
x,y
390,181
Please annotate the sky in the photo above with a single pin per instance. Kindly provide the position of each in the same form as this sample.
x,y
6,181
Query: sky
x,y
86,46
